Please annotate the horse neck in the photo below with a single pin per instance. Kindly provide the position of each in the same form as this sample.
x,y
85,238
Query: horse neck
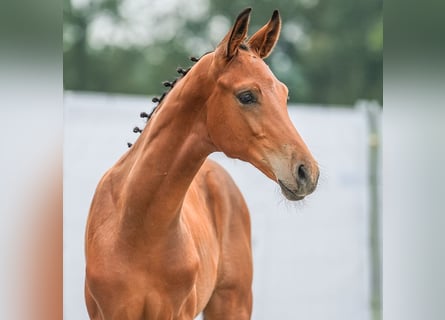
x,y
161,165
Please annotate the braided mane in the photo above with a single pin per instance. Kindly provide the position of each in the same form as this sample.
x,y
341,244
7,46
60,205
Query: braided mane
x,y
169,85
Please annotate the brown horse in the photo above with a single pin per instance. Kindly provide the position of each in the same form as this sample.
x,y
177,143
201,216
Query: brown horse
x,y
168,233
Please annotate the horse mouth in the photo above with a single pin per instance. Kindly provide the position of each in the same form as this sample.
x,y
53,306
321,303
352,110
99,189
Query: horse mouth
x,y
289,193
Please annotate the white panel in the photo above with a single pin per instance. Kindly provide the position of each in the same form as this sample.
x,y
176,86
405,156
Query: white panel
x,y
311,258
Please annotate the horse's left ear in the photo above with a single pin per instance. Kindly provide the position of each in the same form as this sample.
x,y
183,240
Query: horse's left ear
x,y
264,40
231,42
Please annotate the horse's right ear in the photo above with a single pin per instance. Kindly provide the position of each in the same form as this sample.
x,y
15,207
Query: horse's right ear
x,y
231,42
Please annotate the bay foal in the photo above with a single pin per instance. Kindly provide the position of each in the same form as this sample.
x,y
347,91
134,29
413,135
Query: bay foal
x,y
168,233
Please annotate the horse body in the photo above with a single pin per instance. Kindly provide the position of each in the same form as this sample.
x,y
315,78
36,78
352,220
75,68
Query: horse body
x,y
168,234
172,273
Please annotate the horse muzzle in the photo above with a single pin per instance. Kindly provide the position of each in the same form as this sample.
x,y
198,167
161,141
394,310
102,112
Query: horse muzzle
x,y
304,182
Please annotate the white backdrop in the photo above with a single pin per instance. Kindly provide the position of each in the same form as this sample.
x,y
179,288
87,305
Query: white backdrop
x,y
311,259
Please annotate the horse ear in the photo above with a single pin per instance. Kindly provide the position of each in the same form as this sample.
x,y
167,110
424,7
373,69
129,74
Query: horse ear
x,y
236,35
264,40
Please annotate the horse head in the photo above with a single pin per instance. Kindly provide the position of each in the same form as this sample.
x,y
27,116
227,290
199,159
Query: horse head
x,y
247,114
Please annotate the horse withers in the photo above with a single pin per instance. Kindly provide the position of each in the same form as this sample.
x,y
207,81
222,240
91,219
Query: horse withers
x,y
168,233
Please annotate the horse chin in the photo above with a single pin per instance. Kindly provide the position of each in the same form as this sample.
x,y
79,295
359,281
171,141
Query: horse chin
x,y
289,193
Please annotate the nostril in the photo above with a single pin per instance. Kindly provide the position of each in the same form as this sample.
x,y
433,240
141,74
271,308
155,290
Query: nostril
x,y
302,173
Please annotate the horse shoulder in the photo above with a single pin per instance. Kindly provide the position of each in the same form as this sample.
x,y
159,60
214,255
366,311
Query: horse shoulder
x,y
102,218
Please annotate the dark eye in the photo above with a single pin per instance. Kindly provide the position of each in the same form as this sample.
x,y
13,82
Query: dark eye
x,y
246,97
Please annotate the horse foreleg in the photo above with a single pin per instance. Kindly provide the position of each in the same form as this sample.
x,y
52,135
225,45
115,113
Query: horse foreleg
x,y
231,303
92,308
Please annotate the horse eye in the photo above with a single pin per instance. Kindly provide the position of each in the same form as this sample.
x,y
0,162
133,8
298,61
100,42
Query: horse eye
x,y
246,97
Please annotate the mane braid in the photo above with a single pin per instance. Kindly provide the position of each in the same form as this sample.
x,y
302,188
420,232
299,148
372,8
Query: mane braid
x,y
158,100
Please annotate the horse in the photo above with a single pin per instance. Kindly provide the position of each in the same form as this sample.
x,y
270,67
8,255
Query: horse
x,y
168,233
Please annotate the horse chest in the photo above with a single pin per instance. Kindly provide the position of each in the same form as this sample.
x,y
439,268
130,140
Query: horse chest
x,y
183,271
170,262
